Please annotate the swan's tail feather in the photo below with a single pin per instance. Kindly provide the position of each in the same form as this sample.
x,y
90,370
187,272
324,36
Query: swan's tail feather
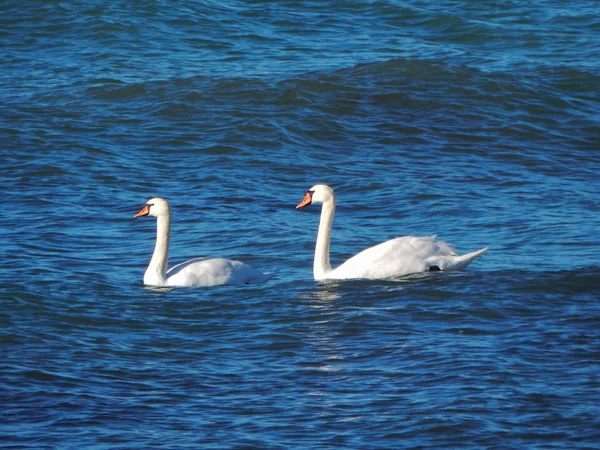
x,y
463,261
266,276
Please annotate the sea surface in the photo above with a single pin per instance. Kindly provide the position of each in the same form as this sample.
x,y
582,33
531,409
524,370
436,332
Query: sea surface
x,y
475,121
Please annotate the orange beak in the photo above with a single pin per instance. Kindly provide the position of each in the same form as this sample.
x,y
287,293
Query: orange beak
x,y
144,212
307,200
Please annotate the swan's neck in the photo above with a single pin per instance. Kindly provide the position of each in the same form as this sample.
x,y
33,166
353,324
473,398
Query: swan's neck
x,y
156,273
322,265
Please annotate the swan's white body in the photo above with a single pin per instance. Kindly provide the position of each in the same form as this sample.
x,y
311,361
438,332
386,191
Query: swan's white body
x,y
394,258
195,272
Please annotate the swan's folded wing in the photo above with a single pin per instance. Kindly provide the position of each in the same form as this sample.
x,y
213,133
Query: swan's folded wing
x,y
394,258
214,272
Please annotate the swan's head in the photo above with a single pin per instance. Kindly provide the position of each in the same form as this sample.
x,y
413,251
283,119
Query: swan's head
x,y
319,193
154,207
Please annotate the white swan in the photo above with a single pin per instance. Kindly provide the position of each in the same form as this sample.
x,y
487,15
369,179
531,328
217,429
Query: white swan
x,y
394,258
195,272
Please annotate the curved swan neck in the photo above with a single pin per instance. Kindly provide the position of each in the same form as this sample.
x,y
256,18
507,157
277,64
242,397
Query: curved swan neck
x,y
321,264
157,269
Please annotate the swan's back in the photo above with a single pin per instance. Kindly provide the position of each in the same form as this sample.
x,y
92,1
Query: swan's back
x,y
214,272
398,257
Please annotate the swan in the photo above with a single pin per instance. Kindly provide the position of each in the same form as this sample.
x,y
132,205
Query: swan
x,y
394,258
195,272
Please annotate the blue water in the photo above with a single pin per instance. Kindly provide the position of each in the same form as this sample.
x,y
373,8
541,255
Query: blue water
x,y
475,121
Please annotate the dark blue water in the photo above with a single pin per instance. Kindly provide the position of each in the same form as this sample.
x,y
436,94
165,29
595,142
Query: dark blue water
x,y
475,121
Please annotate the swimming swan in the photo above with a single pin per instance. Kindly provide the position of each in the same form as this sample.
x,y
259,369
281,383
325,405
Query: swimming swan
x,y
195,272
394,258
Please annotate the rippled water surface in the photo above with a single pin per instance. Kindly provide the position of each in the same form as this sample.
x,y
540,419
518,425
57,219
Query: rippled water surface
x,y
475,121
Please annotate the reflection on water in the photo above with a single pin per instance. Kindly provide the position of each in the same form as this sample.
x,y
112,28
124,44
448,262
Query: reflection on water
x,y
159,288
324,293
329,290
